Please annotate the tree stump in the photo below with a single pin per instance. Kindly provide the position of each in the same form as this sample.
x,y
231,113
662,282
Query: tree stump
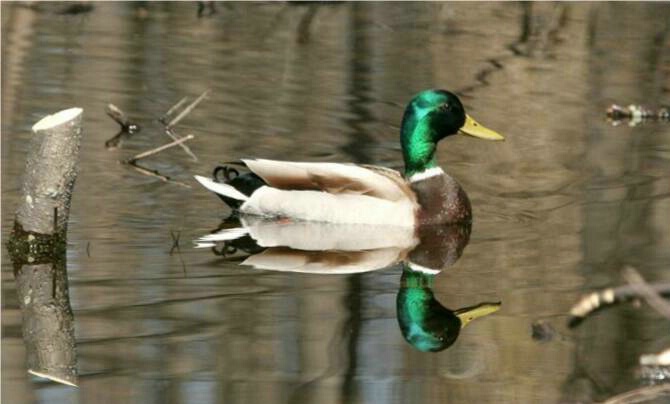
x,y
51,170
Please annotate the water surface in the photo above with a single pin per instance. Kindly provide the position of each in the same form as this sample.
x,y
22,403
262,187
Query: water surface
x,y
559,208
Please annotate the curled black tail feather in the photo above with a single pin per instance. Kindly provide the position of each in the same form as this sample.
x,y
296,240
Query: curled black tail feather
x,y
246,183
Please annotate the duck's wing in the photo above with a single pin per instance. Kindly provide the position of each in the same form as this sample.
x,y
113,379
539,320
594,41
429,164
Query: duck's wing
x,y
334,178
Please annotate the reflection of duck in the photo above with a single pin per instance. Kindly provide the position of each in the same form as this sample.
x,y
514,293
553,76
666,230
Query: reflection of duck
x,y
364,194
326,248
424,322
338,248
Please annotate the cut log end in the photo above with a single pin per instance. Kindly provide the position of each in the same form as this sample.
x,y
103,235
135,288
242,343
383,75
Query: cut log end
x,y
57,119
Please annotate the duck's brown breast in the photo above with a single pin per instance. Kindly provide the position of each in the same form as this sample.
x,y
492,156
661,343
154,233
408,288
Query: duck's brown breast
x,y
441,200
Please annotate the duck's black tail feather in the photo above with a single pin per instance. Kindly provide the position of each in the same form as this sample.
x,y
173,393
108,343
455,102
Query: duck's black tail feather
x,y
245,183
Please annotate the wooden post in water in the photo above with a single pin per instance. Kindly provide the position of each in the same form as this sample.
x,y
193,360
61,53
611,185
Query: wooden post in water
x,y
37,246
51,169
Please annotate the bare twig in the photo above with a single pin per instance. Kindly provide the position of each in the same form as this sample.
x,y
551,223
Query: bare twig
x,y
187,149
188,109
643,289
169,126
116,114
158,149
170,111
121,118
154,173
641,394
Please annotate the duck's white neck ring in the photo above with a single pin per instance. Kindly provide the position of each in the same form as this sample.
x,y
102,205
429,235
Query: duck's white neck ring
x,y
431,172
422,269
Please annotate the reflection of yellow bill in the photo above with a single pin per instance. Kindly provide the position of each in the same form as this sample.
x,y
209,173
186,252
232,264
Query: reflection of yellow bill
x,y
472,128
468,314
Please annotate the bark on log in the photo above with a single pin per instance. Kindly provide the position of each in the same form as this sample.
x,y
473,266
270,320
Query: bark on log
x,y
51,170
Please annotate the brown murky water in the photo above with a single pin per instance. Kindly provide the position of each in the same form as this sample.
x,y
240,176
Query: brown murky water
x,y
559,208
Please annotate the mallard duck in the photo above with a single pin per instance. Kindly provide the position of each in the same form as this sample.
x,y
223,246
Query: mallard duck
x,y
365,194
331,249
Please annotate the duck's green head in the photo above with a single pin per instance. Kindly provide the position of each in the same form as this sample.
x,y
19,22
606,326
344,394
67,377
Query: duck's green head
x,y
431,116
424,322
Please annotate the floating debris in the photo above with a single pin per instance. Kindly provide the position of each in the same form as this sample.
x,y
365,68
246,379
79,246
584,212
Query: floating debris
x,y
636,114
542,331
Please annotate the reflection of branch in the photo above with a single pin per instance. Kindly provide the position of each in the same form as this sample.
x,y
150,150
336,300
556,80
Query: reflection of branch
x,y
153,173
170,125
127,127
636,114
158,149
187,149
596,301
639,395
164,118
156,174
643,289
655,368
175,246
303,27
187,110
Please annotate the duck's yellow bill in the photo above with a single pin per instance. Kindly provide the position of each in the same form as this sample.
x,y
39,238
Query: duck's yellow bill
x,y
468,314
472,128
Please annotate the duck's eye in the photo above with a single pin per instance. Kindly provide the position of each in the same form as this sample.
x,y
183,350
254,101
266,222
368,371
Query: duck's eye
x,y
445,107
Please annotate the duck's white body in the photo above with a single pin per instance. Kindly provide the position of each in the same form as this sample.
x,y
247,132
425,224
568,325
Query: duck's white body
x,y
319,206
326,192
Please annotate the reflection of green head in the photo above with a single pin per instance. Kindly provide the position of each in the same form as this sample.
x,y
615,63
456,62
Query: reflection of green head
x,y
424,322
